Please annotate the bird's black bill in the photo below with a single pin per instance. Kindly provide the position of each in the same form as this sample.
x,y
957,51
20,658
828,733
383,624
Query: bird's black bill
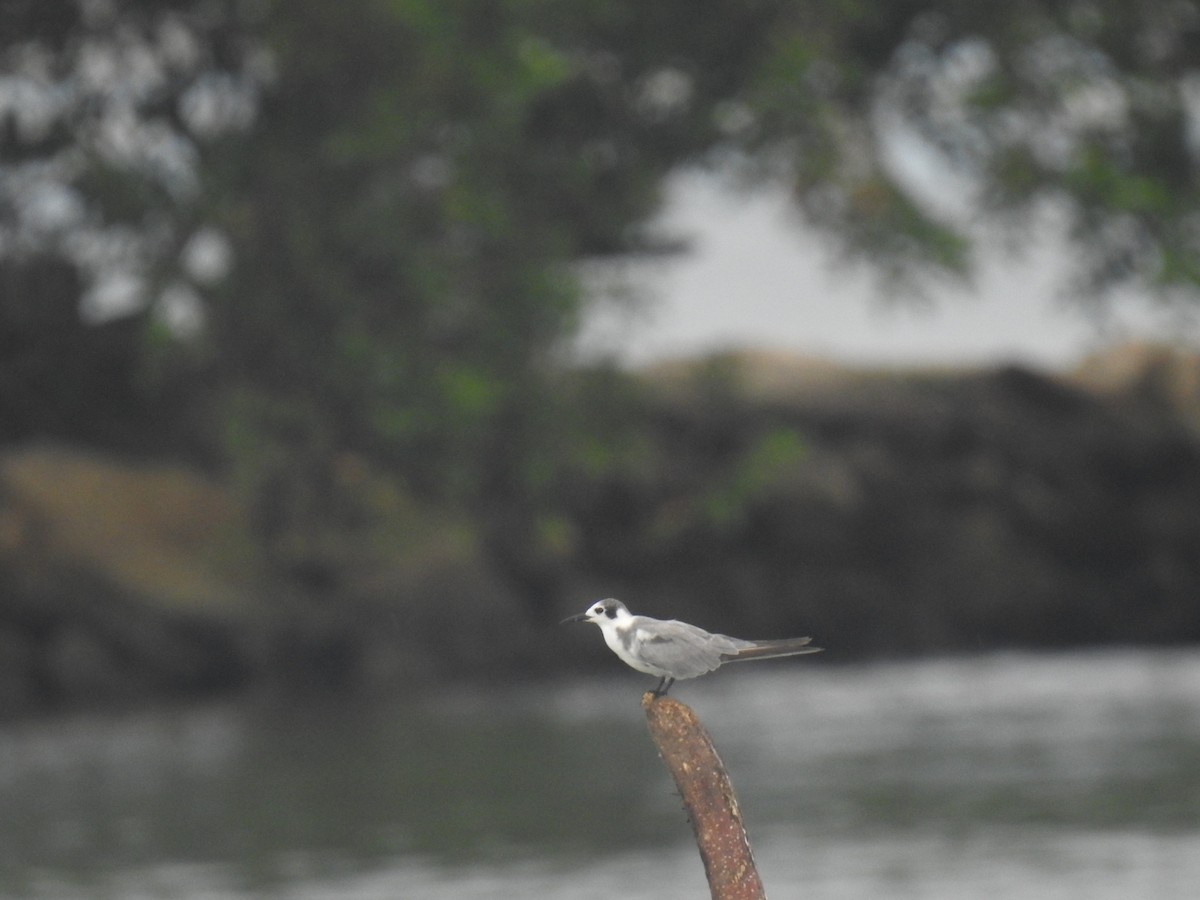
x,y
582,617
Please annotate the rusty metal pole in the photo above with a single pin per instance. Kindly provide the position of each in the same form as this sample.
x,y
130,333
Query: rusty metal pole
x,y
708,796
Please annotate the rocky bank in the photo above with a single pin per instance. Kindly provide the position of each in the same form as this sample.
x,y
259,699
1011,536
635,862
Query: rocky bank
x,y
886,513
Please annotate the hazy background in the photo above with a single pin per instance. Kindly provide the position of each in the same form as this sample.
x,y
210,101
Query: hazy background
x,y
755,277
345,348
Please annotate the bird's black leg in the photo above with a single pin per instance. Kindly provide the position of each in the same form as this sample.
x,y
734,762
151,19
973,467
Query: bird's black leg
x,y
664,685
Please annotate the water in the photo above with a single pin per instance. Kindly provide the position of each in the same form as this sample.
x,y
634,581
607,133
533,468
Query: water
x,y
1000,777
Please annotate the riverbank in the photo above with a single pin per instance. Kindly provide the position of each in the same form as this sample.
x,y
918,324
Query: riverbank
x,y
886,513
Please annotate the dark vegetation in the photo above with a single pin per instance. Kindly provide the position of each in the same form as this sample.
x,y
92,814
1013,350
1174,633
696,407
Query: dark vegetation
x,y
889,514
319,264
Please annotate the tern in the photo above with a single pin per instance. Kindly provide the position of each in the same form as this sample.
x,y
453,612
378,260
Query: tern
x,y
672,650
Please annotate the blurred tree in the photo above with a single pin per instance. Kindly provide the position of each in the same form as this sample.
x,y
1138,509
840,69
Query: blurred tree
x,y
348,229
405,216
103,109
1091,108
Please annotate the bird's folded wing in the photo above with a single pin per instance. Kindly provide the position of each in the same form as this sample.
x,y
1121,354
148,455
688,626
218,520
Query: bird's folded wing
x,y
682,649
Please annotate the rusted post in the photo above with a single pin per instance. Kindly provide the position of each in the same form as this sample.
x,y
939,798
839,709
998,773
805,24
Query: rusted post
x,y
708,796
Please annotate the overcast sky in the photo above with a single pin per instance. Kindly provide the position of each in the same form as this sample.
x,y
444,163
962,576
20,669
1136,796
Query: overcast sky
x,y
755,279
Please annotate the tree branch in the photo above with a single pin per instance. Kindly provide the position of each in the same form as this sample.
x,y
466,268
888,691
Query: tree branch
x,y
708,796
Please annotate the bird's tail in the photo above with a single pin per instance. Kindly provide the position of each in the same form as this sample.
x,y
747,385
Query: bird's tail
x,y
771,649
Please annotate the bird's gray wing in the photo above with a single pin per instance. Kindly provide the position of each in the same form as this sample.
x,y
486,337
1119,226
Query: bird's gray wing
x,y
683,650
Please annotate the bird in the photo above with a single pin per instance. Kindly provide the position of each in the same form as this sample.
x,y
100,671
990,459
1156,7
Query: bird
x,y
673,650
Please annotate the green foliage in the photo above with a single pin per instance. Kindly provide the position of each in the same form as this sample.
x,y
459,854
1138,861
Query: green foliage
x,y
406,186
754,476
1085,105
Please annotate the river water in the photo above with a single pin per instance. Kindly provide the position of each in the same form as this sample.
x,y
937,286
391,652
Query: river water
x,y
1050,776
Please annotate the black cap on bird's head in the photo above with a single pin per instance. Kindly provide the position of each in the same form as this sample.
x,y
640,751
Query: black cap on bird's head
x,y
601,609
